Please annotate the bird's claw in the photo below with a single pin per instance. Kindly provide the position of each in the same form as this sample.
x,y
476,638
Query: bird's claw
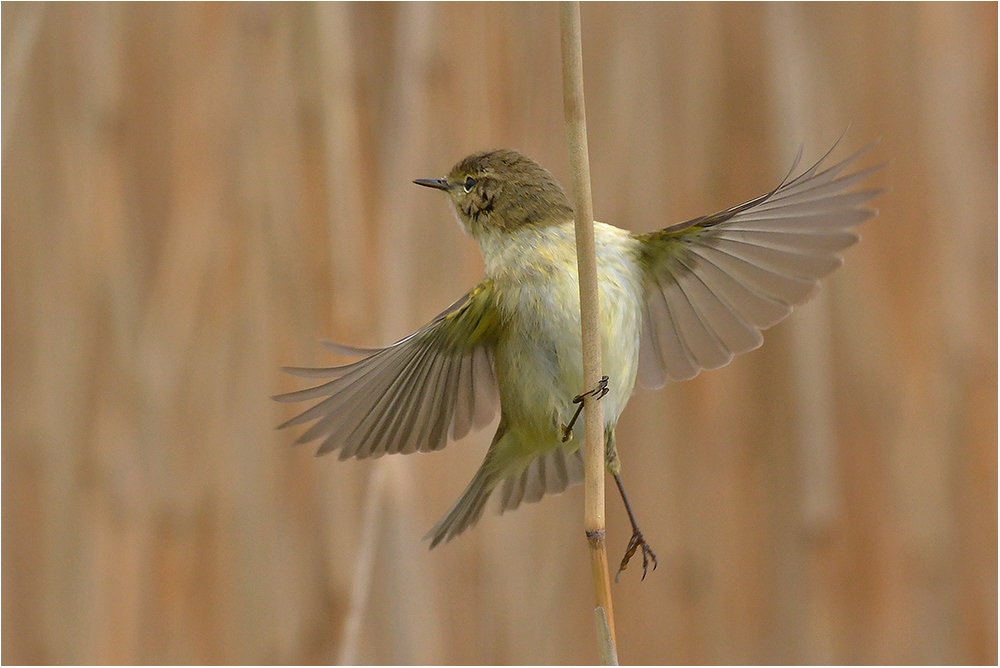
x,y
635,543
598,392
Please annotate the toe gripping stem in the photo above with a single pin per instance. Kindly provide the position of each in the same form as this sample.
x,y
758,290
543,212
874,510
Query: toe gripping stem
x,y
598,392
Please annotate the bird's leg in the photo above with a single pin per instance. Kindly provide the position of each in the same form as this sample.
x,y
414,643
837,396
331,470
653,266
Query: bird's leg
x,y
636,541
614,467
599,391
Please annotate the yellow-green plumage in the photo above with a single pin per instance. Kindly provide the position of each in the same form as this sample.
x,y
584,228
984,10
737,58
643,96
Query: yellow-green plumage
x,y
538,356
673,302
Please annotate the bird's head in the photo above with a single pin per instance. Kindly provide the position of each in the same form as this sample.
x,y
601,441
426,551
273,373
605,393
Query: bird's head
x,y
502,190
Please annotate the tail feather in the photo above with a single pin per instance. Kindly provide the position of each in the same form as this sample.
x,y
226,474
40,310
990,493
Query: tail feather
x,y
550,473
467,510
469,507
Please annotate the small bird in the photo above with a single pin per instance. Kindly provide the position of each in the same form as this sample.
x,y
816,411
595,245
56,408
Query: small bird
x,y
672,302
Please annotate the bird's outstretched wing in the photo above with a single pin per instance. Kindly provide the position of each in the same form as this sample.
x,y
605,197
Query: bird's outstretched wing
x,y
412,396
714,282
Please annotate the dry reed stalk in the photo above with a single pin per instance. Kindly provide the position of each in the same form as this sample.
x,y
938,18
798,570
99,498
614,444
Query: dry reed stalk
x,y
415,633
15,67
576,135
811,513
361,583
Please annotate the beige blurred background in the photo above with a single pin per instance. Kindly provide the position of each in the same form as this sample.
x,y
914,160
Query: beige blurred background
x,y
194,194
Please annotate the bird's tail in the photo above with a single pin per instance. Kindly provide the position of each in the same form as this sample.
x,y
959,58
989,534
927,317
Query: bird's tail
x,y
548,473
468,509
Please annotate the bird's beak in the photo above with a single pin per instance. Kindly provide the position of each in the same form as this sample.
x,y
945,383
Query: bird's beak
x,y
440,184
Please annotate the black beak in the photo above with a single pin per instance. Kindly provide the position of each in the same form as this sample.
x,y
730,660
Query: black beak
x,y
440,184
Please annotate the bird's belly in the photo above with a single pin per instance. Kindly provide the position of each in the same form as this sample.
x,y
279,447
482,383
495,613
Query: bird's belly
x,y
540,362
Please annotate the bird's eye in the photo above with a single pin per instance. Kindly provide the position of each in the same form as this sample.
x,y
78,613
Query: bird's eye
x,y
470,183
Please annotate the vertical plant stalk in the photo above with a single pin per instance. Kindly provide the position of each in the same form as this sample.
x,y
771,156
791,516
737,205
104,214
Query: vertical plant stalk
x,y
361,583
590,317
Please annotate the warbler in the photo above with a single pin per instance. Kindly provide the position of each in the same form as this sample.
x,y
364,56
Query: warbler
x,y
673,302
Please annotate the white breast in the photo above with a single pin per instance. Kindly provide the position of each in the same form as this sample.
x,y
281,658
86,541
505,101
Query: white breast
x,y
539,360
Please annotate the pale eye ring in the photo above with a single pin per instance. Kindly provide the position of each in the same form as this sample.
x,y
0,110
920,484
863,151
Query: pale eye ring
x,y
469,184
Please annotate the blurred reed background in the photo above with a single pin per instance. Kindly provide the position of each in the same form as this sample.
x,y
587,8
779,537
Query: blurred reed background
x,y
194,194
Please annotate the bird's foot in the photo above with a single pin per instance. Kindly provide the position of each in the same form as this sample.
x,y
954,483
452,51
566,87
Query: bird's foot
x,y
598,392
635,543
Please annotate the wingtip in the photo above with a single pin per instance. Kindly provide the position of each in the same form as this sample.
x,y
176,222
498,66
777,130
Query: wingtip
x,y
347,351
435,540
284,398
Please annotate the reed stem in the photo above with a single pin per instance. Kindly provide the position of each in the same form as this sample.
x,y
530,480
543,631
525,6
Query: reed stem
x,y
576,135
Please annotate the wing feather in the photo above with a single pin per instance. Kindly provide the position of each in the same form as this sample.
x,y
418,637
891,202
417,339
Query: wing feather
x,y
715,282
485,391
408,397
731,329
465,402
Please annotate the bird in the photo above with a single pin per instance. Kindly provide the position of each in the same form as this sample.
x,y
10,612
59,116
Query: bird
x,y
673,302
